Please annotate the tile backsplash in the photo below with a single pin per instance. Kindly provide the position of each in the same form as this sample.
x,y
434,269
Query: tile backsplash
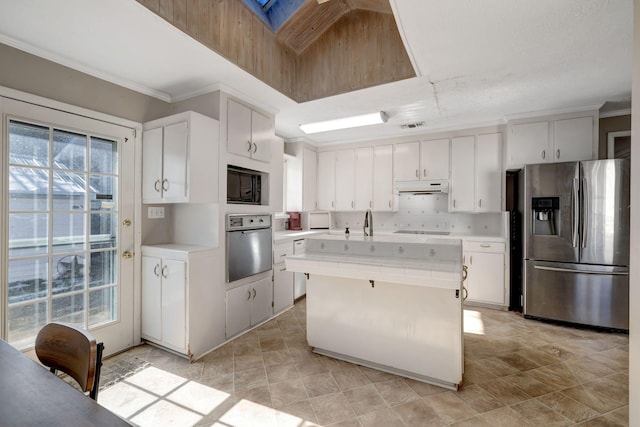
x,y
424,212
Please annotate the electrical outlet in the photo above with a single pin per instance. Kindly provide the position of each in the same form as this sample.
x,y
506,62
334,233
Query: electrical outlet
x,y
155,212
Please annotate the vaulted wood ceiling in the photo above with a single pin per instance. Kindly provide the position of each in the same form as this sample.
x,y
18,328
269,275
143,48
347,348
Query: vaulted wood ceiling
x,y
322,50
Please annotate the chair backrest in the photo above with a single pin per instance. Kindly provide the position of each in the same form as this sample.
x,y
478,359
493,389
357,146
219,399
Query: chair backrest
x,y
73,351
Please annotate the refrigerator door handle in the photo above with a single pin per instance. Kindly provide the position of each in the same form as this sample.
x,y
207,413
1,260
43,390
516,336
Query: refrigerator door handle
x,y
585,212
575,220
568,270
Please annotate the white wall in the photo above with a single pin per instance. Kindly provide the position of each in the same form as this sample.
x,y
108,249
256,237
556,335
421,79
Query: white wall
x,y
634,279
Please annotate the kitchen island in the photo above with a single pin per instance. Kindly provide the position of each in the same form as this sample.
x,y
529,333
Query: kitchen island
x,y
390,302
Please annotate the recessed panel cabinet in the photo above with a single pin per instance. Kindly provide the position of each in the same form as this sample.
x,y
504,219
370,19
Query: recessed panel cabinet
x,y
248,305
383,197
485,263
424,160
176,298
180,158
249,133
327,181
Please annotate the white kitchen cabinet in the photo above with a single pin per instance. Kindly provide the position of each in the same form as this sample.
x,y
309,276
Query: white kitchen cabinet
x,y
462,174
485,263
563,138
345,180
406,161
424,160
248,305
282,279
302,175
249,133
327,181
383,197
476,173
364,175
434,159
177,298
180,158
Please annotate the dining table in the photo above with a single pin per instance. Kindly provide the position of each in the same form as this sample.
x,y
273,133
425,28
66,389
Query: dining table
x,y
30,395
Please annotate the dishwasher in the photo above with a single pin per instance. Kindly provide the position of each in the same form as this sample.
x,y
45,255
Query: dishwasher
x,y
299,280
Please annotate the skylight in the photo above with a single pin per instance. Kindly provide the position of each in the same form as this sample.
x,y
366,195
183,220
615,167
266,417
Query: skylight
x,y
274,13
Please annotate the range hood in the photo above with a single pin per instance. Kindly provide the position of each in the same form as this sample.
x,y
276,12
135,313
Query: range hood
x,y
422,187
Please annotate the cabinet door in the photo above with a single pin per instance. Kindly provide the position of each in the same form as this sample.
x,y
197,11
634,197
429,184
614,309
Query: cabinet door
x,y
326,180
461,197
151,298
486,277
174,303
309,179
238,310
364,179
406,161
261,136
261,300
175,160
434,159
152,165
383,178
488,194
530,143
345,180
282,288
573,139
238,129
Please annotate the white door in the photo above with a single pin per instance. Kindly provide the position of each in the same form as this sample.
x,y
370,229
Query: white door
x,y
489,173
69,225
173,274
261,136
151,298
434,159
282,288
345,180
383,178
261,300
406,161
175,150
573,139
238,129
530,143
152,165
364,179
462,174
326,180
238,310
486,277
309,177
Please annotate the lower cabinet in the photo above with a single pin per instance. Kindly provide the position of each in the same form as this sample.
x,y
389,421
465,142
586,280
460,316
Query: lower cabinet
x,y
175,294
248,305
282,279
485,263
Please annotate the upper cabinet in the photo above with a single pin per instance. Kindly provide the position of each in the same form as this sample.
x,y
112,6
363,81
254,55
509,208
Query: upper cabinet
x,y
249,133
476,173
562,138
345,180
364,179
423,160
302,170
383,197
327,181
180,158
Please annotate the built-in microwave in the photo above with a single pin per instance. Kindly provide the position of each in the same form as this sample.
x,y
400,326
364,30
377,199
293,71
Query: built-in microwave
x,y
243,186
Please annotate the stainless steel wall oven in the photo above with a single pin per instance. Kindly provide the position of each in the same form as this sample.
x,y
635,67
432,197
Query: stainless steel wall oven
x,y
249,245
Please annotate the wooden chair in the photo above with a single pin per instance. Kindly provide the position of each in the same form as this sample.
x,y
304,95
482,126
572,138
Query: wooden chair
x,y
73,351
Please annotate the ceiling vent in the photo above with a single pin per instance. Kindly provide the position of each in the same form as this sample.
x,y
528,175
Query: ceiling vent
x,y
413,125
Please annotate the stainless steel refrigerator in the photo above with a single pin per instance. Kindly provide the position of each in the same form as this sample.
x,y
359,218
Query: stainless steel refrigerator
x,y
576,242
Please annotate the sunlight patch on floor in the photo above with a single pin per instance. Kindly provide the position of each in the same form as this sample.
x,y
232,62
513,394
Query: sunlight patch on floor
x,y
473,323
153,397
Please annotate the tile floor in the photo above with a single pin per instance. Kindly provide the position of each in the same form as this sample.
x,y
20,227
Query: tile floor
x,y
518,372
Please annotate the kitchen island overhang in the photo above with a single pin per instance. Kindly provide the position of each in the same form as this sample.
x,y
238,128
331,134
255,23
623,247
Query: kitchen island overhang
x,y
399,310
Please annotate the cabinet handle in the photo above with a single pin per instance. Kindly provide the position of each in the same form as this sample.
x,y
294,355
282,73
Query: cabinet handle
x,y
165,187
353,204
155,185
248,294
254,293
165,269
156,270
544,153
389,203
283,269
332,204
255,147
485,245
417,173
370,204
480,203
454,203
470,259
424,172
249,146
558,154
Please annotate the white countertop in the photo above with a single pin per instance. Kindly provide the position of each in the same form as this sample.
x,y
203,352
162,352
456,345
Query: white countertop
x,y
280,236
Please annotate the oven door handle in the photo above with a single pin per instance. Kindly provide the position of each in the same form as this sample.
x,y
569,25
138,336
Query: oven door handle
x,y
251,231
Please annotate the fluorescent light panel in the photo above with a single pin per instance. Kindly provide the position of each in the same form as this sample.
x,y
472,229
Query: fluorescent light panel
x,y
345,123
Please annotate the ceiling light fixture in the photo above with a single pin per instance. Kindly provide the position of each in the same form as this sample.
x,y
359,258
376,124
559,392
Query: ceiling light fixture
x,y
345,123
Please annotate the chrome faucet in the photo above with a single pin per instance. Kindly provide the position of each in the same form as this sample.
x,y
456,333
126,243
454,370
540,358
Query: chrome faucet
x,y
368,222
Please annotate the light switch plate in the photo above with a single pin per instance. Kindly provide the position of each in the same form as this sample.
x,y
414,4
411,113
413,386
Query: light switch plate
x,y
155,212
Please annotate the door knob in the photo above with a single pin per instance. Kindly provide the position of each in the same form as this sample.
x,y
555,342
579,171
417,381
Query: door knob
x,y
126,223
127,255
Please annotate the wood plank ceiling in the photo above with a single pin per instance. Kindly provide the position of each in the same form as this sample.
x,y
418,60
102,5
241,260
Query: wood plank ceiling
x,y
322,50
